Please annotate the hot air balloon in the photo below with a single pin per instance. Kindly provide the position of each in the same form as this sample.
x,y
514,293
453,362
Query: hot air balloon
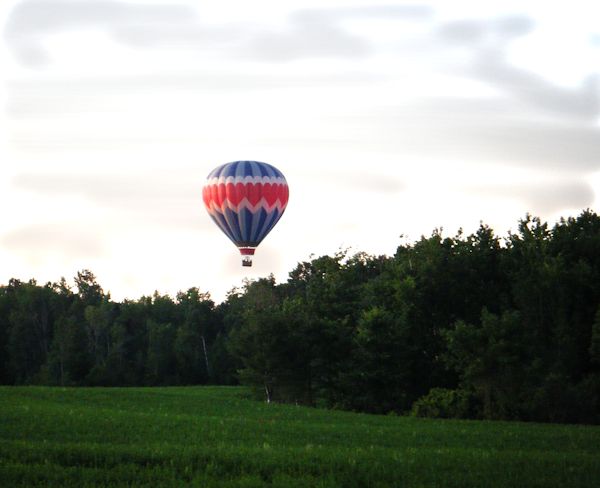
x,y
245,199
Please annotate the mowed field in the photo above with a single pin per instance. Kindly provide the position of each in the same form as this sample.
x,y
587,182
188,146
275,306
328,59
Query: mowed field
x,y
214,436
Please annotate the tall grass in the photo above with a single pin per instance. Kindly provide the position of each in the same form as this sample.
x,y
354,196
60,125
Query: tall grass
x,y
213,436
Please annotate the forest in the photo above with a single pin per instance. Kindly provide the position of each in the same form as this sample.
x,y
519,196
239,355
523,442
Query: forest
x,y
470,326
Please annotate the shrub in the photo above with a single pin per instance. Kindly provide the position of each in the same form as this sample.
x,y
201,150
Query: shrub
x,y
443,403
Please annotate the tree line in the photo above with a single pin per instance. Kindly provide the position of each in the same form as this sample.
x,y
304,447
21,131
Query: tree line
x,y
469,326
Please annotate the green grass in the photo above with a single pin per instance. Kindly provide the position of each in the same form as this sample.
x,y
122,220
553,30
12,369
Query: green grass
x,y
212,436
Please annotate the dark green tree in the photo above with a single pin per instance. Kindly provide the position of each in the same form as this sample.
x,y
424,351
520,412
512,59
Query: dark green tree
x,y
489,358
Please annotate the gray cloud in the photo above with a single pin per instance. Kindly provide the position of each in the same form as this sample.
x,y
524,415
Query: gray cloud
x,y
179,35
31,20
580,103
486,131
362,181
377,183
54,239
487,41
498,130
320,33
308,33
51,97
32,17
409,12
169,198
542,197
552,146
476,33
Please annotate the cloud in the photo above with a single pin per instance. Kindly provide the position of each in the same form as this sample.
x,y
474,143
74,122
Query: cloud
x,y
169,198
318,33
581,103
542,197
47,240
476,33
410,12
488,40
32,20
41,97
484,131
308,33
366,180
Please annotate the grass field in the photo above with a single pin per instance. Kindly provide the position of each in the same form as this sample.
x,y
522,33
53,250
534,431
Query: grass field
x,y
212,436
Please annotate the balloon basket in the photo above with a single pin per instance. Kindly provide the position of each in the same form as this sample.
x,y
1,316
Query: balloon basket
x,y
247,253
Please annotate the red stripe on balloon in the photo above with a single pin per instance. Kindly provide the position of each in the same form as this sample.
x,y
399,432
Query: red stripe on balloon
x,y
206,196
254,193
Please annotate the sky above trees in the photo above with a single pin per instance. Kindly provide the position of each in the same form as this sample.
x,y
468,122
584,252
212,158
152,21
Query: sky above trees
x,y
387,119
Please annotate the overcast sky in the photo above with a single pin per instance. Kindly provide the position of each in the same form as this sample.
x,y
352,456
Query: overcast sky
x,y
387,119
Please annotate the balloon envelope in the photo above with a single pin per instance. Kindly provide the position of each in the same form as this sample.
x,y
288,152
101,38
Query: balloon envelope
x,y
246,199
